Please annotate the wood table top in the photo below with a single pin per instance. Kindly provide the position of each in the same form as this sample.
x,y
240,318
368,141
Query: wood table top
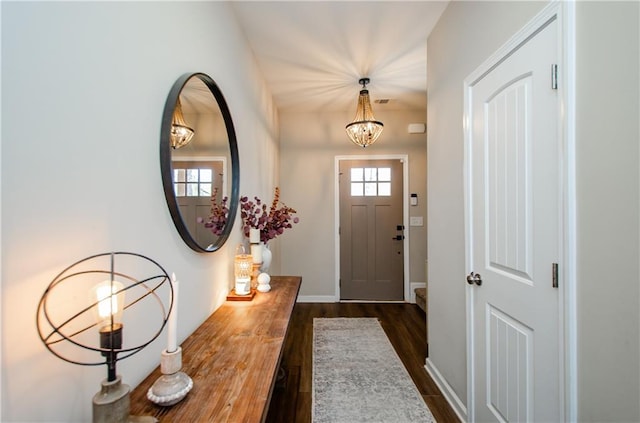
x,y
232,358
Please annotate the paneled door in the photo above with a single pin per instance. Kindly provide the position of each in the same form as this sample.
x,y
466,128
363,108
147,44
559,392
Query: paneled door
x,y
514,233
371,231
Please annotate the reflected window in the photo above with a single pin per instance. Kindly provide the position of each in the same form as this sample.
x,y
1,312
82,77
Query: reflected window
x,y
193,182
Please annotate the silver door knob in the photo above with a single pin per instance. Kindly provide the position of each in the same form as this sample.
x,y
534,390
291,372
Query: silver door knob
x,y
474,278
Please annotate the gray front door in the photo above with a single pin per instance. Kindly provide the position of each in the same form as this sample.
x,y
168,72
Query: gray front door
x,y
371,231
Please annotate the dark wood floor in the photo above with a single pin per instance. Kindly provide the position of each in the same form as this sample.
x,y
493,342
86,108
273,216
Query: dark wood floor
x,y
405,326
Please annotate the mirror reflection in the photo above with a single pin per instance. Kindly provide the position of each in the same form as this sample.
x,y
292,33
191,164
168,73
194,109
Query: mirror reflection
x,y
200,162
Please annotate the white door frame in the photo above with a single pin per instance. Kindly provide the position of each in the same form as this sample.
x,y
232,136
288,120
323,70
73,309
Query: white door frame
x,y
404,158
564,12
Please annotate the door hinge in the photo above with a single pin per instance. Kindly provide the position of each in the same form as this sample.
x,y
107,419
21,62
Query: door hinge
x,y
554,275
554,77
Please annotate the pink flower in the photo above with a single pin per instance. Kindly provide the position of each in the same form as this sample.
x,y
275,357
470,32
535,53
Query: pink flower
x,y
218,215
271,223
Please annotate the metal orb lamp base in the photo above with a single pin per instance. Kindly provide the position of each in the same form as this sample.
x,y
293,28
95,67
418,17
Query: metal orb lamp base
x,y
173,385
112,404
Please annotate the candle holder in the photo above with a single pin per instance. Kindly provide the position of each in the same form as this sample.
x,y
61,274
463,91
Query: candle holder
x,y
173,385
254,275
242,271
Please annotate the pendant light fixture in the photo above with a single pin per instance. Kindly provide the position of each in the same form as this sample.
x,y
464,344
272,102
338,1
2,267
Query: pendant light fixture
x,y
181,134
365,129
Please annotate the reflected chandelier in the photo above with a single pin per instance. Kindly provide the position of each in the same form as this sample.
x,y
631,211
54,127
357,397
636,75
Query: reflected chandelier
x,y
365,129
181,134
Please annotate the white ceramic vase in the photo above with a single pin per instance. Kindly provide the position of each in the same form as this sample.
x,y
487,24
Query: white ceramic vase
x,y
266,258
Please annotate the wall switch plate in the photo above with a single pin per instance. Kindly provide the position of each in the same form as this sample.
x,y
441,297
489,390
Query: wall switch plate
x,y
416,221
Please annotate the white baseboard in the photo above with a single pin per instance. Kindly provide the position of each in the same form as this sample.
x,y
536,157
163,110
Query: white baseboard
x,y
412,290
316,299
449,394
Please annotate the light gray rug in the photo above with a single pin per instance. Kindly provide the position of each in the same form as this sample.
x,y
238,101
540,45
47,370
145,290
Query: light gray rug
x,y
358,377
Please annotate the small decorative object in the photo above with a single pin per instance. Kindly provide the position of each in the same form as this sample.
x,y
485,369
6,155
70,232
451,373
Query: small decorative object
x,y
173,385
266,259
256,245
256,253
262,224
69,324
243,269
232,296
263,282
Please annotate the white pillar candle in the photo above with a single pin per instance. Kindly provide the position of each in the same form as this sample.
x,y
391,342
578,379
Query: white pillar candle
x,y
254,236
256,253
173,318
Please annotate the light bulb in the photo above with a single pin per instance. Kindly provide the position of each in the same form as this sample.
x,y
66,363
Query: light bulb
x,y
110,301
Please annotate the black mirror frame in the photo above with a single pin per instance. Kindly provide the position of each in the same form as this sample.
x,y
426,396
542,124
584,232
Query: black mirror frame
x,y
167,170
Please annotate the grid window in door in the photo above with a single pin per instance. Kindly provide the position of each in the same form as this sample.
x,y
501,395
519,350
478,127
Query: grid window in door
x,y
192,182
371,181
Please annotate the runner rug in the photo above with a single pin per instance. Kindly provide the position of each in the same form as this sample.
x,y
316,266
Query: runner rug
x,y
358,377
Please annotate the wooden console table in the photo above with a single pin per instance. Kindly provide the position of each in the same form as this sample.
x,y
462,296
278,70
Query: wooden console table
x,y
233,359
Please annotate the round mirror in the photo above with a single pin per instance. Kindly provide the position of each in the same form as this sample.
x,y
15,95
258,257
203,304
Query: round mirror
x,y
199,162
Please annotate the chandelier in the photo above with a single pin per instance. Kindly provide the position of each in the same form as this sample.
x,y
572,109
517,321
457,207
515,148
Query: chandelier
x,y
365,129
181,134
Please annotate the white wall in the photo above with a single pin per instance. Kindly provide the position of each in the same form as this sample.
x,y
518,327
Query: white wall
x,y
607,141
309,144
83,89
466,34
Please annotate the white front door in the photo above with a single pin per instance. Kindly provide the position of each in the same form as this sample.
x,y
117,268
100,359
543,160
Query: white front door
x,y
514,233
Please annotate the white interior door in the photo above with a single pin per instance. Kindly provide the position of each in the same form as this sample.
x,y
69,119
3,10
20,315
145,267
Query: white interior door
x,y
514,234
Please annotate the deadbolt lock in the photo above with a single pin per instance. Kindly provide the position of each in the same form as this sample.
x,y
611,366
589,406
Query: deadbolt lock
x,y
474,278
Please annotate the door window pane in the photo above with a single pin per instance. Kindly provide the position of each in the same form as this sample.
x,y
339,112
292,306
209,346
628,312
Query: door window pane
x,y
384,174
357,174
370,174
384,189
357,189
192,190
205,190
192,175
206,175
370,189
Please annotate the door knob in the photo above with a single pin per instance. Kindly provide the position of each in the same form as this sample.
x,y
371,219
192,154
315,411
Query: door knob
x,y
474,278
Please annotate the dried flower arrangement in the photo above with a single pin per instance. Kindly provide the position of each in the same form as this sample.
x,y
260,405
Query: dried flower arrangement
x,y
218,216
271,222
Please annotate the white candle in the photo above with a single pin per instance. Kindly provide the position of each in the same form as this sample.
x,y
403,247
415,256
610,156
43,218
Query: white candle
x,y
256,253
173,318
254,236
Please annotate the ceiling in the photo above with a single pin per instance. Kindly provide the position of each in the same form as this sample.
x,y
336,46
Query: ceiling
x,y
312,53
